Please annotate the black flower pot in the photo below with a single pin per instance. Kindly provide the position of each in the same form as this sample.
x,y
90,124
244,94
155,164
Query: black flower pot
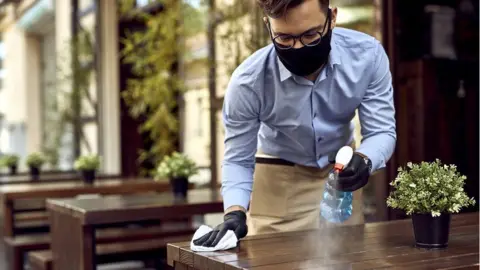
x,y
13,169
88,176
34,173
179,186
431,232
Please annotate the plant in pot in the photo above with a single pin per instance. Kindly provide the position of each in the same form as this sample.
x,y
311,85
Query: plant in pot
x,y
35,162
177,167
10,161
87,166
430,192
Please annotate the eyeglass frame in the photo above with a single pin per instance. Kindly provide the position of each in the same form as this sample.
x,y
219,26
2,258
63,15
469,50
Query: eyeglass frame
x,y
295,37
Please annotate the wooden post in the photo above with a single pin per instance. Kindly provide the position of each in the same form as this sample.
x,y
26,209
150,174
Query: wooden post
x,y
388,40
98,75
75,97
212,92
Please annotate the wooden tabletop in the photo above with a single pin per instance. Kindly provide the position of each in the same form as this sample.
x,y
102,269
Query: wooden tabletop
x,y
75,244
67,189
73,188
113,209
5,172
48,177
386,245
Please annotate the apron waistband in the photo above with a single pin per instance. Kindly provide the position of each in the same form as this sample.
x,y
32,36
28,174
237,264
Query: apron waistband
x,y
273,161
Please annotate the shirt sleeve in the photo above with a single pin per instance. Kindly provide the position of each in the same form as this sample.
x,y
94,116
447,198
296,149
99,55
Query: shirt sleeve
x,y
240,115
377,113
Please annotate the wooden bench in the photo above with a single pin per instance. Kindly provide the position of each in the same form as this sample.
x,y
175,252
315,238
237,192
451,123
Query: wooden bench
x,y
16,247
31,215
114,252
31,222
37,222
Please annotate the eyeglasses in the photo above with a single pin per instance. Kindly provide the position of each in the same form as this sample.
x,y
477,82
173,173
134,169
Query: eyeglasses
x,y
310,38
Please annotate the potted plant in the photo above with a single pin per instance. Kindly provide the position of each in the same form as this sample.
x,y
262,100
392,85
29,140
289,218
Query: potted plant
x,y
10,161
430,192
87,166
178,168
34,162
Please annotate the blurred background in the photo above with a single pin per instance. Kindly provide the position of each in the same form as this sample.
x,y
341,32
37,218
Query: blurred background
x,y
133,81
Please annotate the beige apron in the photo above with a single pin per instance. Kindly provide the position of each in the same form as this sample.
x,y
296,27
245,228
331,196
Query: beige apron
x,y
287,198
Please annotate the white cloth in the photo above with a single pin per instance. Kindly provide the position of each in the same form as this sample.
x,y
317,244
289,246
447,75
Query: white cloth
x,y
228,241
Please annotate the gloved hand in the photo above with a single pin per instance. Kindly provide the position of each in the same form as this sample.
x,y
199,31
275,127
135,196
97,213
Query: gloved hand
x,y
235,221
353,176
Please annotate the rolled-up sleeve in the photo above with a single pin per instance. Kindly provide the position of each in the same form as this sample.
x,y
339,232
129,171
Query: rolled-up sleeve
x,y
240,115
377,113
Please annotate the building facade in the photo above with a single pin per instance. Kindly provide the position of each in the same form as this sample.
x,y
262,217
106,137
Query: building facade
x,y
38,79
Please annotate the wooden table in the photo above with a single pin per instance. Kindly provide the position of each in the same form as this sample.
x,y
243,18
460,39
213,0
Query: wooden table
x,y
5,172
48,178
73,222
386,245
10,193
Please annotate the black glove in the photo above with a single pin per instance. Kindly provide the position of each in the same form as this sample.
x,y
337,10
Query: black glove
x,y
235,221
353,176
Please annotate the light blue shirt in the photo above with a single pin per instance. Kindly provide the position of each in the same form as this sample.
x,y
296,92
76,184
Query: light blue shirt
x,y
266,107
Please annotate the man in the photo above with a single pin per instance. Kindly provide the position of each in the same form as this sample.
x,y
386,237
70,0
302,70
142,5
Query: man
x,y
299,95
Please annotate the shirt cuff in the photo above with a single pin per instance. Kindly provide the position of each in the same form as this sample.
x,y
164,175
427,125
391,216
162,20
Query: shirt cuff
x,y
236,196
373,156
378,149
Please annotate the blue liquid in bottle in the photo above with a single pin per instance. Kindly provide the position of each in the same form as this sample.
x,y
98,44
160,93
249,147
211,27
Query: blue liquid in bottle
x,y
336,206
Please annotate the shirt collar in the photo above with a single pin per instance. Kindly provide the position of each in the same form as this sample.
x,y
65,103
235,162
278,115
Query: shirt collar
x,y
334,59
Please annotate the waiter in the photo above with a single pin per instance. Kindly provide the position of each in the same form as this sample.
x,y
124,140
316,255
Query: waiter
x,y
288,107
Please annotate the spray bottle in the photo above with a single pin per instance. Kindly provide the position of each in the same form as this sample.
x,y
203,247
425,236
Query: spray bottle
x,y
336,206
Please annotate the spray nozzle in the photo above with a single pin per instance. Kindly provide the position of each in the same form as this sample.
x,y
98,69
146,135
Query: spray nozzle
x,y
343,157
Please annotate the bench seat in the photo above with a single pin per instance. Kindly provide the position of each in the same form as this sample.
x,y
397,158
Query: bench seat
x,y
111,252
31,222
16,247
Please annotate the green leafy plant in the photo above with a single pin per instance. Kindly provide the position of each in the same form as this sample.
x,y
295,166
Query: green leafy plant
x,y
238,40
151,94
9,160
176,165
87,162
35,160
429,187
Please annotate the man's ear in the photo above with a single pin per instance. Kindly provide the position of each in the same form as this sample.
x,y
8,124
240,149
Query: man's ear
x,y
265,20
333,13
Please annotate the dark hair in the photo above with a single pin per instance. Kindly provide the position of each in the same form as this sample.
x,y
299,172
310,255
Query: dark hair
x,y
278,8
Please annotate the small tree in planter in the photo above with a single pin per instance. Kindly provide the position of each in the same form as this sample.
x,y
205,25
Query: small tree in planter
x,y
35,162
430,192
178,168
87,165
10,161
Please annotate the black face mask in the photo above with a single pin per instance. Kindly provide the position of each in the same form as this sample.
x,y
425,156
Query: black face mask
x,y
306,60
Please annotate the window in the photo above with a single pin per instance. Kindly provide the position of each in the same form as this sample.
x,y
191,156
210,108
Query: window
x,y
2,57
199,117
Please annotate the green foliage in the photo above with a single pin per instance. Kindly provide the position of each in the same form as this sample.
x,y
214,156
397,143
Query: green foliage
x,y
35,159
194,20
429,187
152,54
176,165
87,162
9,160
240,41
